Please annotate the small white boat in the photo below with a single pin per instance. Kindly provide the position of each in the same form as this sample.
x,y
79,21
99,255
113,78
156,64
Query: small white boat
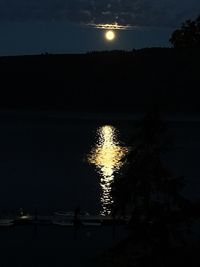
x,y
25,217
85,223
6,222
70,213
63,223
64,213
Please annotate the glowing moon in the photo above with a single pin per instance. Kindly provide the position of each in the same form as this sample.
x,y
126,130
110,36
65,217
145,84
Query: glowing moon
x,y
110,35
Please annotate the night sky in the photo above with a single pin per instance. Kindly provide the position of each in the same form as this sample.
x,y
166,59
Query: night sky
x,y
69,26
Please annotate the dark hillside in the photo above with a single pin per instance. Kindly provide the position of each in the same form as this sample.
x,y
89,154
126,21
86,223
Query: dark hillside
x,y
102,81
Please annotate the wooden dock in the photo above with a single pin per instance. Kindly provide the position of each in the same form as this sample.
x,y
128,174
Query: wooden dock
x,y
62,220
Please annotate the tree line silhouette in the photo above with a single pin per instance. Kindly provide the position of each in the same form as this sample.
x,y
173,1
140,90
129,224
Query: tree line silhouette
x,y
188,36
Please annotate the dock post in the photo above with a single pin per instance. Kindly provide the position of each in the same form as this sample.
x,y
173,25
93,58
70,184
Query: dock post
x,y
76,221
36,223
114,228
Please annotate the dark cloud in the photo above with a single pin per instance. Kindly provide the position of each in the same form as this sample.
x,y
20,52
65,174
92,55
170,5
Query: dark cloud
x,y
158,13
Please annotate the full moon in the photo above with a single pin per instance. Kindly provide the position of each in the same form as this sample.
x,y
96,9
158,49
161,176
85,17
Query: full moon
x,y
110,35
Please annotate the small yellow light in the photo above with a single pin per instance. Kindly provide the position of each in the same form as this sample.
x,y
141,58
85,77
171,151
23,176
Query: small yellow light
x,y
110,35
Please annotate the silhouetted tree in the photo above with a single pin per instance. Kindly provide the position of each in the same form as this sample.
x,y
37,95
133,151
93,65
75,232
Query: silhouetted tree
x,y
147,190
188,36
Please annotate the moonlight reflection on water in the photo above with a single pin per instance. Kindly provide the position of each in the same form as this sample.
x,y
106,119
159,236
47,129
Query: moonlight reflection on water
x,y
107,156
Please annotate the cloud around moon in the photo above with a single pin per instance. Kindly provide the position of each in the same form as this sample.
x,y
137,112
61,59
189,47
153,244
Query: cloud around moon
x,y
114,26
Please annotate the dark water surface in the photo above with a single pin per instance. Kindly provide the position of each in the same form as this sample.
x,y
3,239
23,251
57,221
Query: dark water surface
x,y
43,161
23,246
43,157
44,165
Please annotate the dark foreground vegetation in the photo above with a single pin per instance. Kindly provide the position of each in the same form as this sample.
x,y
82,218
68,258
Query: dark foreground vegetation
x,y
162,227
123,256
103,81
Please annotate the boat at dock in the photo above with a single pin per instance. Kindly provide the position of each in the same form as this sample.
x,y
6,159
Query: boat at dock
x,y
91,223
6,222
63,213
63,223
62,218
85,219
24,219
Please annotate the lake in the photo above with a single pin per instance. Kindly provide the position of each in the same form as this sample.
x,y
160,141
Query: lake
x,y
44,157
44,160
58,161
53,246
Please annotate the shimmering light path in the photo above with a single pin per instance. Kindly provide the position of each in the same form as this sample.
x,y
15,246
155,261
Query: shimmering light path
x,y
106,155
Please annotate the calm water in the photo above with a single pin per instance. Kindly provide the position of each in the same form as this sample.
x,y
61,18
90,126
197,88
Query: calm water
x,y
56,161
44,161
53,246
45,164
